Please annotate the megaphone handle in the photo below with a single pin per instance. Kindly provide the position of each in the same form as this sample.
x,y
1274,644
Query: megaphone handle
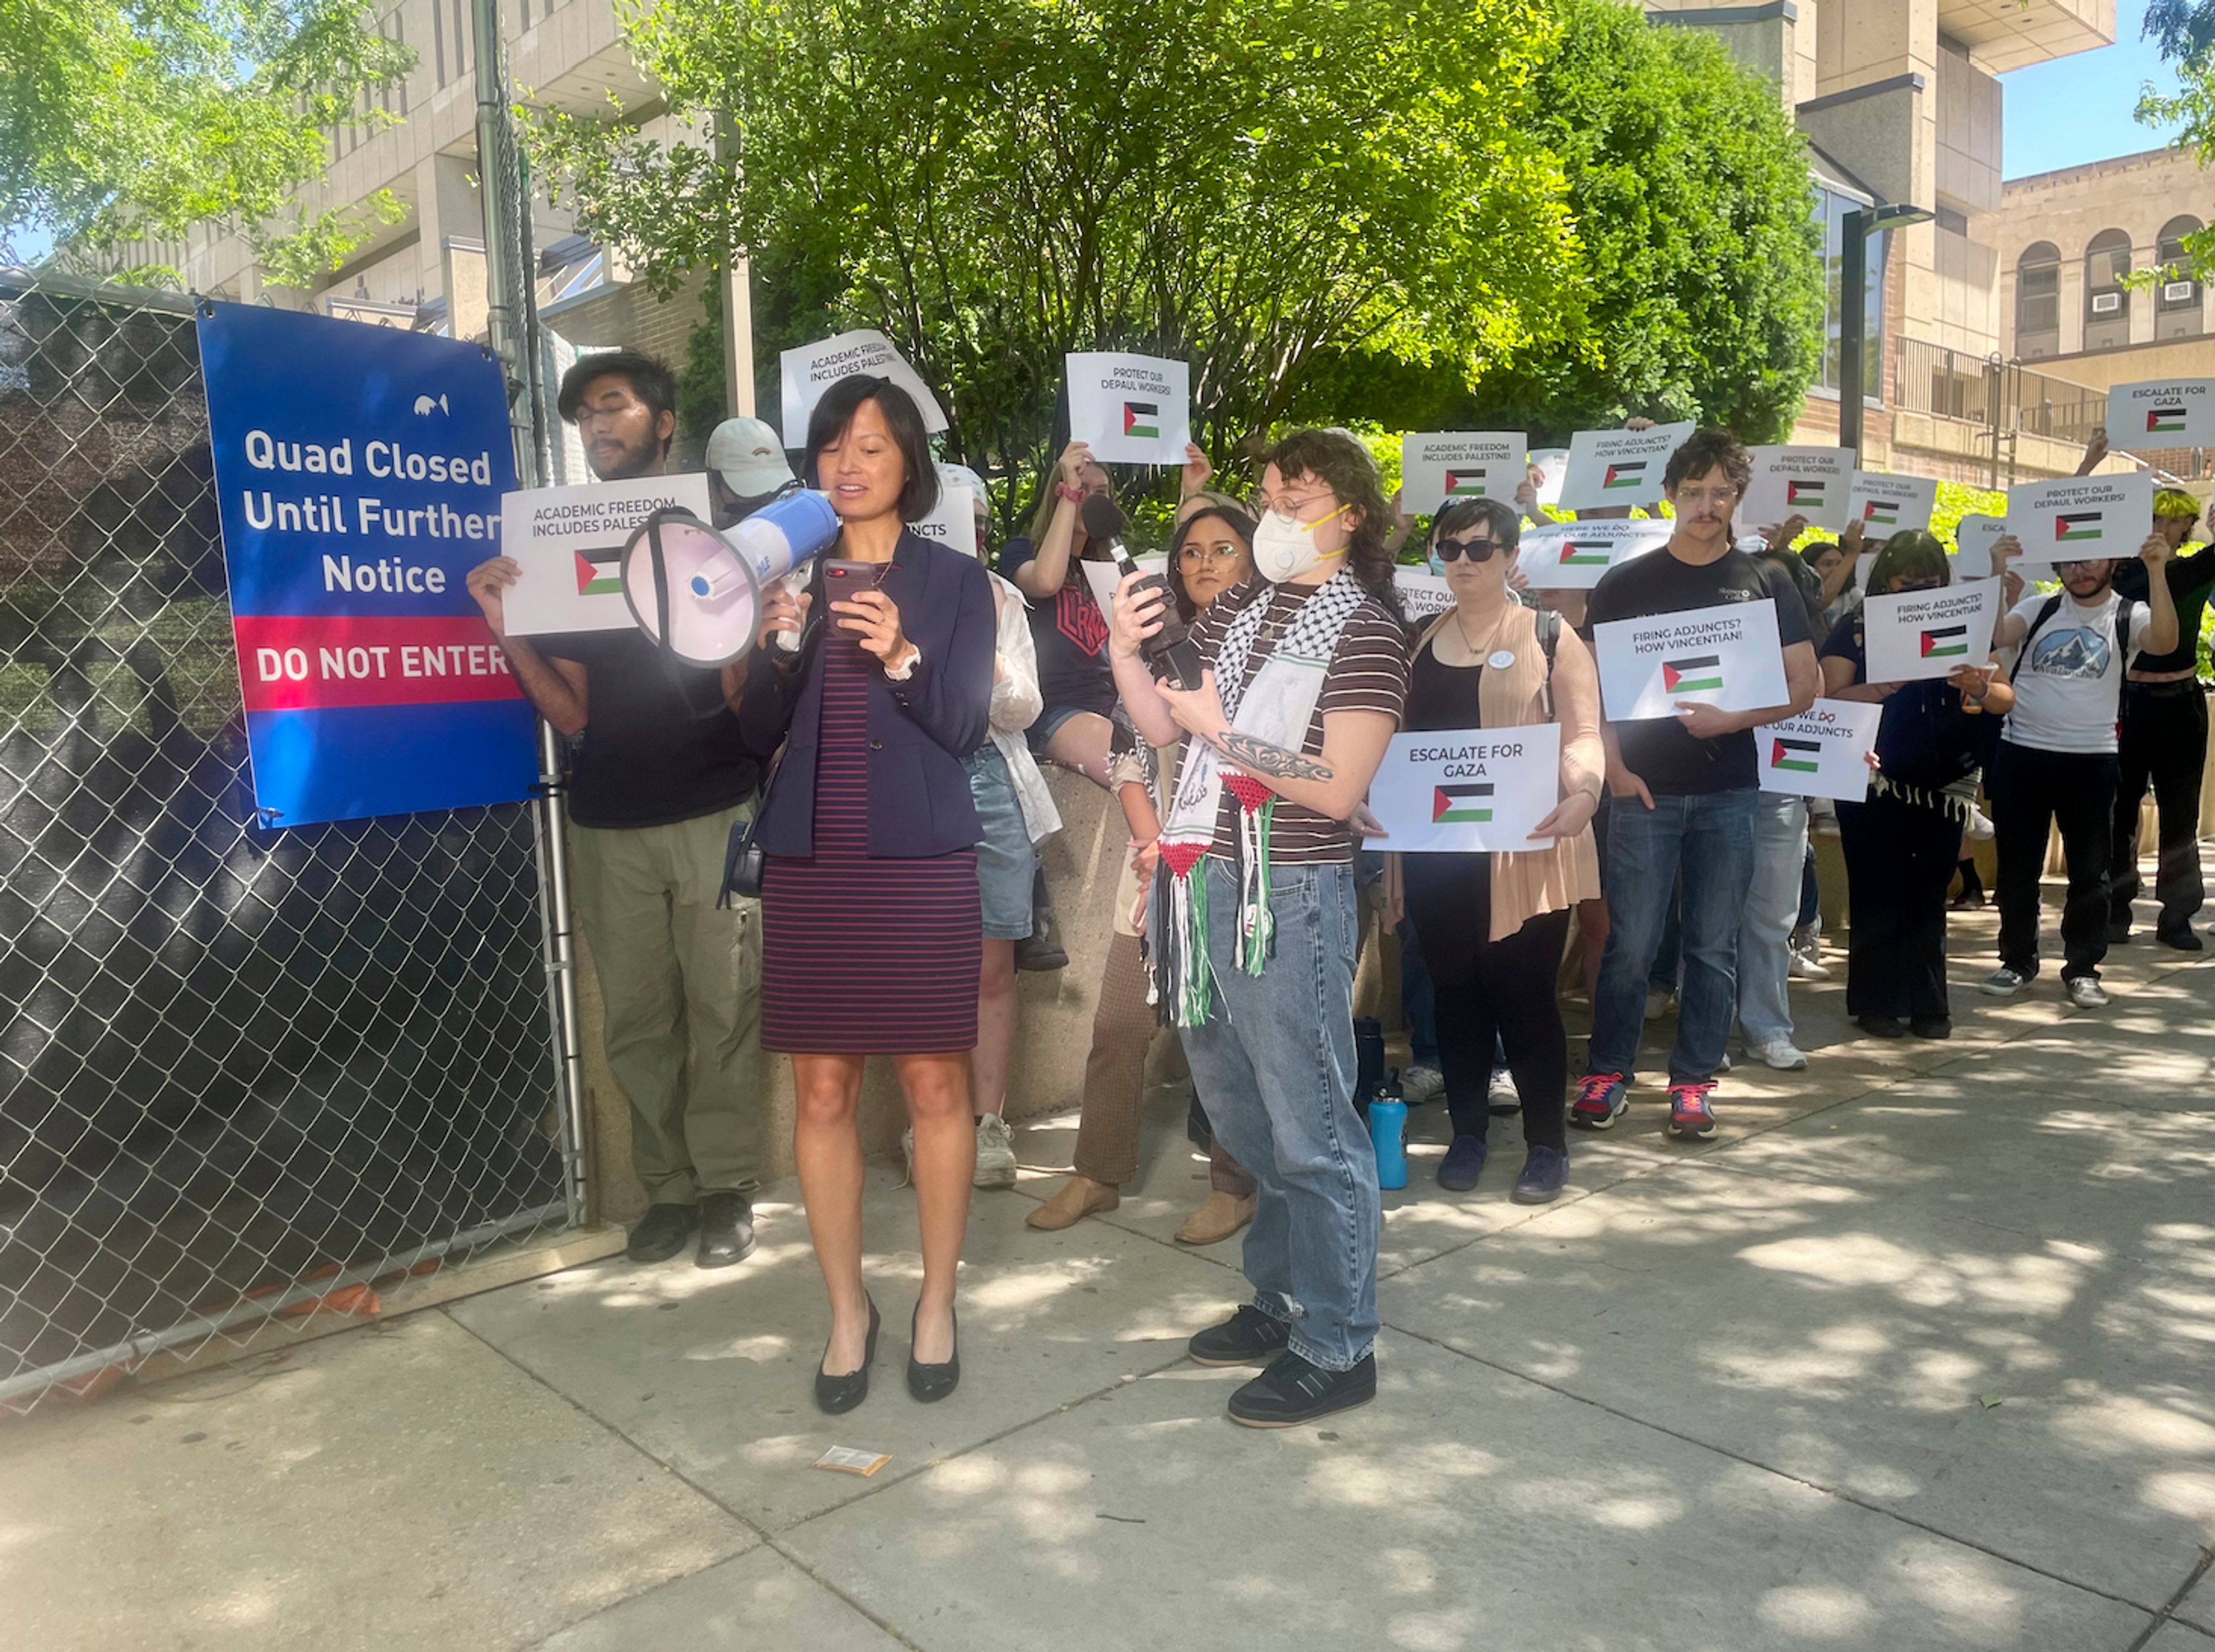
x,y
787,641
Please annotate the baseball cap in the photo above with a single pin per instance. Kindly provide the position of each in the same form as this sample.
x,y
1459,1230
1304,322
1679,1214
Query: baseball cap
x,y
750,458
951,475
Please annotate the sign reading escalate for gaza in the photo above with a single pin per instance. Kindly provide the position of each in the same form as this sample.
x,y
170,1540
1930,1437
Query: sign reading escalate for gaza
x,y
2161,413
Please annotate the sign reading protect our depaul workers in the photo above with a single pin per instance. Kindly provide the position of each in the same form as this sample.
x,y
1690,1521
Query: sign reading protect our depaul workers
x,y
359,471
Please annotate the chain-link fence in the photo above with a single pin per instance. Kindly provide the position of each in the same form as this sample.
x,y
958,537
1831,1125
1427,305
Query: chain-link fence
x,y
240,1070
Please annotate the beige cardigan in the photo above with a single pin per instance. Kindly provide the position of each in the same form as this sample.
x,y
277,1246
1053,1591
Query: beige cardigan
x,y
1525,882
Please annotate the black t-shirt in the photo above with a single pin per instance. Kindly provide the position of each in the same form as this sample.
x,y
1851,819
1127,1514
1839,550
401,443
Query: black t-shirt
x,y
656,748
1657,750
2191,578
1071,634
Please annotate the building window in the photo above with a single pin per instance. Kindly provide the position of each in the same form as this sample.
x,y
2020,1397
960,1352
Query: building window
x,y
1832,207
2178,312
2106,300
2037,302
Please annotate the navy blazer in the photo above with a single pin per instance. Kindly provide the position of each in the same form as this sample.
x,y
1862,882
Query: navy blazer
x,y
919,731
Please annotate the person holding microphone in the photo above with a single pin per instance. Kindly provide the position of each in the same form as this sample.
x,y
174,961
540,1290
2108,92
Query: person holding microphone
x,y
872,927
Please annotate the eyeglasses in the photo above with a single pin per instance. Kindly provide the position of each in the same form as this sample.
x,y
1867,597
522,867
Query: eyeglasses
x,y
1208,554
1901,587
1288,510
1479,550
1688,497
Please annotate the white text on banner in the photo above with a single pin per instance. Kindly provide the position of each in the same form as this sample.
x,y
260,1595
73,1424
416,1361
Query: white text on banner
x,y
1726,656
1823,753
1467,790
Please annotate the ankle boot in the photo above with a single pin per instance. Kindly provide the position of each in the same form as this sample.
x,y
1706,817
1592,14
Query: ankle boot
x,y
1041,949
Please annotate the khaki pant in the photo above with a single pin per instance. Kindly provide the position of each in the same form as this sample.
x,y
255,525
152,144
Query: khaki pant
x,y
681,982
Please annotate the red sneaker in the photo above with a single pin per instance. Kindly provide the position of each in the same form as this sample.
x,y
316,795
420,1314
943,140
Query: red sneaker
x,y
1690,1116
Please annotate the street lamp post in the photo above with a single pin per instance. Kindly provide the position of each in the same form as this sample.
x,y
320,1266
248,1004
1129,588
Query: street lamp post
x,y
1858,225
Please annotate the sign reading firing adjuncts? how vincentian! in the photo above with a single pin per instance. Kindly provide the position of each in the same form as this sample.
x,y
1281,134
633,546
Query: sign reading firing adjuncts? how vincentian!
x,y
1919,635
1619,467
1726,656
1470,790
358,472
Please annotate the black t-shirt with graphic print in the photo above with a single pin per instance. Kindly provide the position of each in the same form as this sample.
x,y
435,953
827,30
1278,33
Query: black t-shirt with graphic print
x,y
1071,634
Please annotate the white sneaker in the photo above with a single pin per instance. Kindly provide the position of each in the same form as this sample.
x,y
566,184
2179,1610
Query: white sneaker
x,y
1980,825
1783,1055
2086,993
1659,1002
2004,983
1420,1084
1500,1095
996,1152
1805,967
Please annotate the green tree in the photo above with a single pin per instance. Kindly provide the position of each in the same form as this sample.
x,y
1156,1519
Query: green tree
x,y
1695,214
127,118
2185,32
1253,185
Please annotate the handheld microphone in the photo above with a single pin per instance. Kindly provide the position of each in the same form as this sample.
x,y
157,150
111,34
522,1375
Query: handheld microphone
x,y
699,593
1170,653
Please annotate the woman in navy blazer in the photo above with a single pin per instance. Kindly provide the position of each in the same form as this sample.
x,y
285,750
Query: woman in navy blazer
x,y
871,928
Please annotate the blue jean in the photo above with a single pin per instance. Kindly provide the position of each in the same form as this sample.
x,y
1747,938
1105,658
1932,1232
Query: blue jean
x,y
1772,911
1275,1060
1707,839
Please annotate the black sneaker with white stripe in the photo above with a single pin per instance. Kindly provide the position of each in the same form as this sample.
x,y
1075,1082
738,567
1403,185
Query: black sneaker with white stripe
x,y
1295,1390
1247,1337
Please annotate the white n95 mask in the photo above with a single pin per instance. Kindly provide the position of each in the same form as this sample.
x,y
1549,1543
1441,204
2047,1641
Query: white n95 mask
x,y
1285,551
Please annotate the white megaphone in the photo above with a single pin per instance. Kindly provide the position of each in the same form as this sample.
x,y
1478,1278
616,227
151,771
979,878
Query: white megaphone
x,y
700,592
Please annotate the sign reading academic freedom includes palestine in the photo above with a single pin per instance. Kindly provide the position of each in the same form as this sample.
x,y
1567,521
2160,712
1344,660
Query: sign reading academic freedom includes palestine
x,y
1468,791
359,473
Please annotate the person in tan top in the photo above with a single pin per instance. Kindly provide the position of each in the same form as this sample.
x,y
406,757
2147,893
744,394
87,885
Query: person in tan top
x,y
1493,926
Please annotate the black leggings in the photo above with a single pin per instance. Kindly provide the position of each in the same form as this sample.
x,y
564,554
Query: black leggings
x,y
1491,990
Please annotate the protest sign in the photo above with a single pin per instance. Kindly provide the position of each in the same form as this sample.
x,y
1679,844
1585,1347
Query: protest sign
x,y
2080,518
1104,577
953,523
357,477
1790,482
1551,463
1726,656
570,541
1619,467
1918,634
814,368
1132,409
1424,596
1885,504
1469,791
1437,467
2161,413
1974,536
1572,556
1822,753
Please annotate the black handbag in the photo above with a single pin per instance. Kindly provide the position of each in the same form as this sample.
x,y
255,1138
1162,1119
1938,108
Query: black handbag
x,y
744,862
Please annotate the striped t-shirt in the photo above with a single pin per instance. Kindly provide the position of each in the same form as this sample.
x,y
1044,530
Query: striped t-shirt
x,y
1368,672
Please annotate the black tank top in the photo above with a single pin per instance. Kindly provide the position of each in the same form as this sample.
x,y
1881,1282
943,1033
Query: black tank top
x,y
1440,696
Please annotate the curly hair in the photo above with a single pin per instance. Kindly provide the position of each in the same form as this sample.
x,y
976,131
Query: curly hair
x,y
1338,460
1711,448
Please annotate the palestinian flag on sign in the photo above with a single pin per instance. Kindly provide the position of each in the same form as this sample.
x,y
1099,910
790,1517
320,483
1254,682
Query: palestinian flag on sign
x,y
1882,512
1800,756
2083,525
2165,419
1586,555
598,578
1463,486
1461,805
1809,494
1694,673
1141,418
1631,473
1945,641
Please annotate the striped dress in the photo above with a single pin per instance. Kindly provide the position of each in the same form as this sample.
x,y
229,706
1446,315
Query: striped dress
x,y
861,955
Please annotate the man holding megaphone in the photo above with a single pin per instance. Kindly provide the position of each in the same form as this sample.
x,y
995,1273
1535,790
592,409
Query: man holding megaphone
x,y
659,776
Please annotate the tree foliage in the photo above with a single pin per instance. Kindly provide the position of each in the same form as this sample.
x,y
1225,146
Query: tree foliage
x,y
128,118
2185,32
1259,187
1689,187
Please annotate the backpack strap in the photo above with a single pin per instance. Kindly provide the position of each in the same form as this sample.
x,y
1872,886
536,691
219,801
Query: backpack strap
x,y
1549,639
2022,649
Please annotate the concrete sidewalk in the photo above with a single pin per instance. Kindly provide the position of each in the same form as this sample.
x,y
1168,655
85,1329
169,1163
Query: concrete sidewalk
x,y
1920,1353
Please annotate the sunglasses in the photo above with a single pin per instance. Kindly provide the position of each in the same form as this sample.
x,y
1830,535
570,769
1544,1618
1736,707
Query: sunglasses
x,y
1478,550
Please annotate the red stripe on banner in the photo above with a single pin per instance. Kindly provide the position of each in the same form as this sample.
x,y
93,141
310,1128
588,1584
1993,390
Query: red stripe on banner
x,y
312,662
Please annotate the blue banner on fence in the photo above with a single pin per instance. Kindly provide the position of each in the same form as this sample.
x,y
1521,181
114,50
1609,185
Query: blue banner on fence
x,y
359,471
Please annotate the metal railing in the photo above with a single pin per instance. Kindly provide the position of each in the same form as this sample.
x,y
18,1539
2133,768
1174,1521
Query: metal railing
x,y
1999,395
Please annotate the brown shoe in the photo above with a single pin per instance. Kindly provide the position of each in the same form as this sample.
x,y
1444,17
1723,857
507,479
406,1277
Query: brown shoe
x,y
1216,1220
1080,1197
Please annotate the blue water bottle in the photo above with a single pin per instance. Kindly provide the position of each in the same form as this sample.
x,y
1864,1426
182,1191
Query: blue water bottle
x,y
1388,1133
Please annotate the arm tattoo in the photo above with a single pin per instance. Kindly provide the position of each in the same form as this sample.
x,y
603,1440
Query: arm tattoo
x,y
1260,758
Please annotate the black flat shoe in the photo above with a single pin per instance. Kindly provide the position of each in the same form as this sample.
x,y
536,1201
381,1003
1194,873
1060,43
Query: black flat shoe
x,y
933,1382
836,1395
